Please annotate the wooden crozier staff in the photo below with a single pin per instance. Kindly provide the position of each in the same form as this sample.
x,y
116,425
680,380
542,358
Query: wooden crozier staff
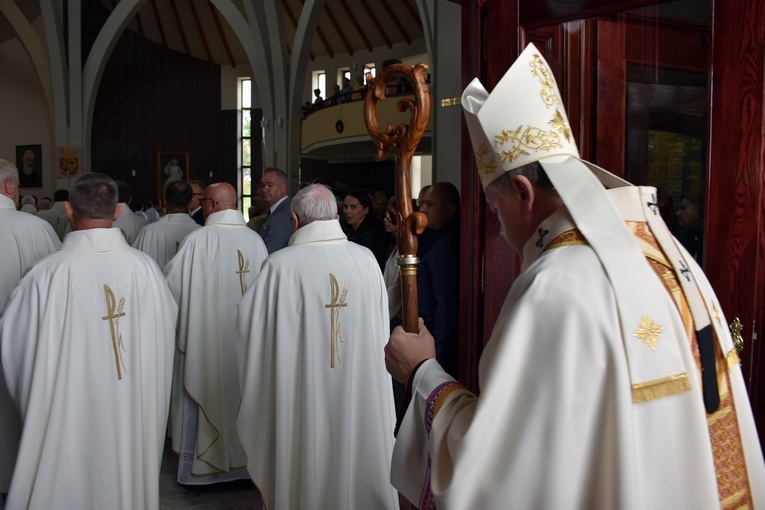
x,y
405,138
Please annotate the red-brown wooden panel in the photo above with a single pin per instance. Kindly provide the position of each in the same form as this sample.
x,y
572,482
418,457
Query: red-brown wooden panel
x,y
735,259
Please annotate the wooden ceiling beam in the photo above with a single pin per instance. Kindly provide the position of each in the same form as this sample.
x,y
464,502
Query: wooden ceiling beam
x,y
159,23
376,23
222,34
178,23
412,12
339,30
200,29
356,25
397,22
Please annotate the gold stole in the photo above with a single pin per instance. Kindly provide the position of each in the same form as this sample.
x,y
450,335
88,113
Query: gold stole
x,y
727,449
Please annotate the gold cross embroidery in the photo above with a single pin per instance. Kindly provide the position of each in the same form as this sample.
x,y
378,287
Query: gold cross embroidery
x,y
648,332
334,318
244,267
114,326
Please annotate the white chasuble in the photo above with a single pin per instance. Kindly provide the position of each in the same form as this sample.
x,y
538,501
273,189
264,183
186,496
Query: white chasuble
x,y
25,240
208,276
317,417
86,344
162,239
559,422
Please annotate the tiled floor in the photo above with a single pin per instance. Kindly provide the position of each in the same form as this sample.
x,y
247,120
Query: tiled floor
x,y
239,495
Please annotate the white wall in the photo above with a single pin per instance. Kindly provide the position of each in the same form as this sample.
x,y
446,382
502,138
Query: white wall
x,y
24,114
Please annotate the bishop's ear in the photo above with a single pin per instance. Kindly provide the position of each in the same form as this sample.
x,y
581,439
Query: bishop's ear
x,y
525,191
295,221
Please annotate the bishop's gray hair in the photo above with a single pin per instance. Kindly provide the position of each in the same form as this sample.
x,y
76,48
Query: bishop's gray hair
x,y
8,171
94,196
315,202
533,172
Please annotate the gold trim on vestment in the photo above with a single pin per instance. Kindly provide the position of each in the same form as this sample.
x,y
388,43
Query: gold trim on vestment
x,y
660,388
442,397
732,359
337,301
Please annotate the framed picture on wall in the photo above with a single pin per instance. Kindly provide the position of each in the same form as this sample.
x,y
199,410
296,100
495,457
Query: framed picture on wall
x,y
171,166
29,163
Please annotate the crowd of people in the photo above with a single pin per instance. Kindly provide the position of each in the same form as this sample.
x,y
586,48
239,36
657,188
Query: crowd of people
x,y
265,350
202,338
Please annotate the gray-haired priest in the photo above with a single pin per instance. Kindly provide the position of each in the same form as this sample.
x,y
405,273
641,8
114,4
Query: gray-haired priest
x,y
317,413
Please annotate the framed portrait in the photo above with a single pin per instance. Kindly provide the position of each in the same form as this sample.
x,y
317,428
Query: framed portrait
x,y
171,166
29,163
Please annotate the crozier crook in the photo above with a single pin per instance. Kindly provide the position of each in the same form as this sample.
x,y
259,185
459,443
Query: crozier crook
x,y
405,138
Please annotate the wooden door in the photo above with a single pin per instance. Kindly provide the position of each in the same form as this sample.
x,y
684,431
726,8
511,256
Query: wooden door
x,y
630,78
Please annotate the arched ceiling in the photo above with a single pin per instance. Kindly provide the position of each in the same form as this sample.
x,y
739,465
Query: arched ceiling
x,y
196,28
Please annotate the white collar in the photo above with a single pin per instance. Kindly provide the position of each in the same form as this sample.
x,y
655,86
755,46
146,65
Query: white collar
x,y
317,231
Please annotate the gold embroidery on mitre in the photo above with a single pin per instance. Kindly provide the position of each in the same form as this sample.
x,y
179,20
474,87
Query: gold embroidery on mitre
x,y
523,140
550,96
542,71
485,161
660,388
244,268
113,313
337,301
648,332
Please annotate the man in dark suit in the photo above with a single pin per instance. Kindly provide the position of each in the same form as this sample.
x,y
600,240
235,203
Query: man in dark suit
x,y
277,229
195,209
438,273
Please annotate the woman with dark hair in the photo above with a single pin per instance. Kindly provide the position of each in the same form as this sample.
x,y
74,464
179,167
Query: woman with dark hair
x,y
363,225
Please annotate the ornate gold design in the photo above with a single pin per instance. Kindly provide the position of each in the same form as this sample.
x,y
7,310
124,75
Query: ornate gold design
x,y
113,316
560,123
648,332
550,96
524,140
452,101
244,268
334,317
735,331
659,388
485,160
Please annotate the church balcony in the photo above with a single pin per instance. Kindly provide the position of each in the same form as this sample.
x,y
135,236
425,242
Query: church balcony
x,y
338,133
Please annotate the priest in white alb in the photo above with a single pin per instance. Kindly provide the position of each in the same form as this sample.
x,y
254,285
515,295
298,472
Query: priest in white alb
x,y
211,272
610,379
162,239
25,240
86,346
127,221
317,416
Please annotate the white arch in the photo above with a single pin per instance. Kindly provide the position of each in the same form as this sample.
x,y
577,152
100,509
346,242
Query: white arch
x,y
96,62
32,45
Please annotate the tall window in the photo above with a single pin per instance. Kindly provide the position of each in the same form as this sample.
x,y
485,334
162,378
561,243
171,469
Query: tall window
x,y
245,145
319,81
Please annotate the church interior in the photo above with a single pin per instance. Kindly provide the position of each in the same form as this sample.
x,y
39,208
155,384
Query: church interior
x,y
663,93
